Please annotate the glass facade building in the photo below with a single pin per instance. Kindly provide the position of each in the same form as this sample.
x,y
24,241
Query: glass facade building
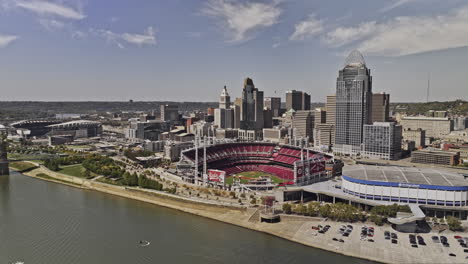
x,y
353,104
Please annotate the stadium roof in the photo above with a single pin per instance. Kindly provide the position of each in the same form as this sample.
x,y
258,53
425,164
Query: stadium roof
x,y
75,123
404,175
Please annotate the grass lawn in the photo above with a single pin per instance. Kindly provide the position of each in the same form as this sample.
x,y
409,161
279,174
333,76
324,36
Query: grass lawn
x,y
253,174
73,170
22,166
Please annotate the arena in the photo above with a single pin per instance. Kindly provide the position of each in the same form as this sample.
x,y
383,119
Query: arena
x,y
295,165
405,185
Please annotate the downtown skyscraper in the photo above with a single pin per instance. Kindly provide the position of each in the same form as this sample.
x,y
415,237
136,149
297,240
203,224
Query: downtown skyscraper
x,y
251,117
353,104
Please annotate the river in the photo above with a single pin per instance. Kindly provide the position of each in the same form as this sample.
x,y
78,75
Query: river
x,y
44,222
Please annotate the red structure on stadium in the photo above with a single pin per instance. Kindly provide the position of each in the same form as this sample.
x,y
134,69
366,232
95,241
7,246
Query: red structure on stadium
x,y
233,158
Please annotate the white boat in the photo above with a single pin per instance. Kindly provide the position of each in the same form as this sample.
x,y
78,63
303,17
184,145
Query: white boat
x,y
144,243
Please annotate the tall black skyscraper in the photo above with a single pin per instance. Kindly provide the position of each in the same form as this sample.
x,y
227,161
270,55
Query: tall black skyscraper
x,y
353,104
252,107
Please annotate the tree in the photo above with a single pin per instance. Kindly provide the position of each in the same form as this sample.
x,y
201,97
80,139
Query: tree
x,y
453,223
287,208
325,211
87,174
313,208
300,209
253,201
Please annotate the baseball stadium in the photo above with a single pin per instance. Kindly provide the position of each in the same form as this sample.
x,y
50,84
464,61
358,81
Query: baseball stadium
x,y
284,164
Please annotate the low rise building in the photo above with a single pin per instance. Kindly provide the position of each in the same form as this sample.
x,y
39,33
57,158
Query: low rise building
x,y
435,157
275,135
435,127
154,146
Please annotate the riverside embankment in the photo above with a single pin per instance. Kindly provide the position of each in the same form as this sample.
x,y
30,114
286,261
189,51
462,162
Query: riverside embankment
x,y
293,228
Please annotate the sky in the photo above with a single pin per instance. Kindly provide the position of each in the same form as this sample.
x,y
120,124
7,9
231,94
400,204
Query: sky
x,y
187,50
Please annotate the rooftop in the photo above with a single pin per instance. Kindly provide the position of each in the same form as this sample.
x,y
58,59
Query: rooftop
x,y
405,175
355,59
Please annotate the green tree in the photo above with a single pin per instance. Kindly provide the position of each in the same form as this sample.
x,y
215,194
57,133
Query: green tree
x,y
453,223
287,208
325,211
313,208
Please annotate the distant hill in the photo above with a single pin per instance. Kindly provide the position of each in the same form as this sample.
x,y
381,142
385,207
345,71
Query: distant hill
x,y
16,110
459,107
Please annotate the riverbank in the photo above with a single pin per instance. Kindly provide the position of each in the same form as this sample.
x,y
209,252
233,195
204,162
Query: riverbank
x,y
293,228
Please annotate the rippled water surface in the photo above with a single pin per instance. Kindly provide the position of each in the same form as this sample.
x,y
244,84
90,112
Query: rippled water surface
x,y
43,222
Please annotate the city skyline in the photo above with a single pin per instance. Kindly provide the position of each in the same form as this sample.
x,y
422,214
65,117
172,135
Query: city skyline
x,y
77,50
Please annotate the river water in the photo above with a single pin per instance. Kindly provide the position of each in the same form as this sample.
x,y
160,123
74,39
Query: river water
x,y
44,222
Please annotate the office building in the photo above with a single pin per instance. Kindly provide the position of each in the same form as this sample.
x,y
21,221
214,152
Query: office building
x,y
435,127
330,108
273,104
320,116
382,140
252,107
460,123
169,113
267,118
353,104
297,100
224,99
416,135
303,124
202,129
224,118
380,107
224,115
324,136
139,131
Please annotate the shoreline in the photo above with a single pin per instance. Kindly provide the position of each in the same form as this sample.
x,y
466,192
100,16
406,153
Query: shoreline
x,y
293,228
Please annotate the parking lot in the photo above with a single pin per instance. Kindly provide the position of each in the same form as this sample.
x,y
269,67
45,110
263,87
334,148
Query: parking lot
x,y
398,248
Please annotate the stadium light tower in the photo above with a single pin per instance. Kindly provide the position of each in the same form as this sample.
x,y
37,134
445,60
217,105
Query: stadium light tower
x,y
196,159
204,161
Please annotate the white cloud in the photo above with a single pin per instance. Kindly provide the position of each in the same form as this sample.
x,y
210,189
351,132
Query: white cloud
x,y
405,35
395,4
5,40
239,19
77,34
147,38
307,28
345,35
51,24
49,8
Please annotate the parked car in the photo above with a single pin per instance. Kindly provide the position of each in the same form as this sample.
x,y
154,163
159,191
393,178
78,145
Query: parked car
x,y
335,239
435,239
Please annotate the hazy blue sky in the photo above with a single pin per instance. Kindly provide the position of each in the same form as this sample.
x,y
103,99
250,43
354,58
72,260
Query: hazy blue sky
x,y
187,50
